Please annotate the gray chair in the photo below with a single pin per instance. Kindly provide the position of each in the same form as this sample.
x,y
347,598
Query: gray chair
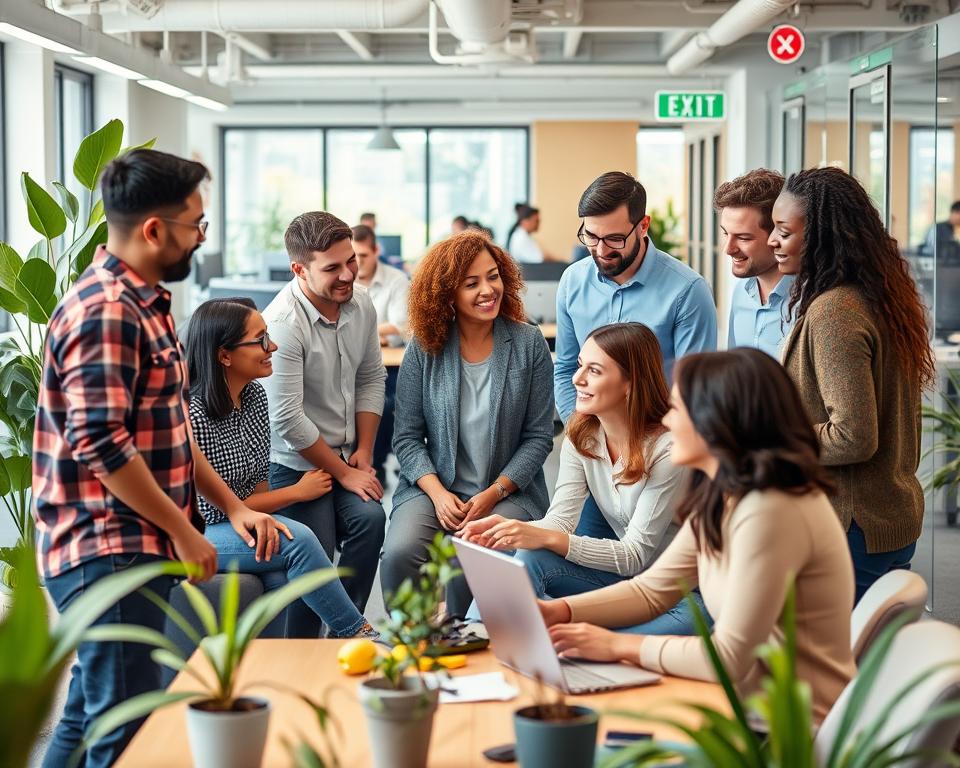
x,y
250,589
893,594
916,648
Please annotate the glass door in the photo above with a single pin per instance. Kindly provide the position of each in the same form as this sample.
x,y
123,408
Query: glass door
x,y
869,113
793,117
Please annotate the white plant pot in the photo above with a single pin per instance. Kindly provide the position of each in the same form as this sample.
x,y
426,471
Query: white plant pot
x,y
399,722
228,739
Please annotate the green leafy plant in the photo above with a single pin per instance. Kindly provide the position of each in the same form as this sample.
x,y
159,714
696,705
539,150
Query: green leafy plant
x,y
33,656
945,426
783,710
30,289
414,620
303,754
222,648
665,228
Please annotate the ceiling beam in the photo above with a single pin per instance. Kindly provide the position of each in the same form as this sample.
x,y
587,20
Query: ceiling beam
x,y
359,42
257,44
571,42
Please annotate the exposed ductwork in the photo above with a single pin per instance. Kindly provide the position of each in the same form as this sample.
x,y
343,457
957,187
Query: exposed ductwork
x,y
256,16
740,20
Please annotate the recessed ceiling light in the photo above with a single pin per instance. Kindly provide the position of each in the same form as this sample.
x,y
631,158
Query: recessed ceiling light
x,y
35,39
109,67
943,99
166,88
203,101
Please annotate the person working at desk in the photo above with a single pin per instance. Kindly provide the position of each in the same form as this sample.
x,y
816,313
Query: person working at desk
x,y
943,239
520,242
388,288
756,518
474,419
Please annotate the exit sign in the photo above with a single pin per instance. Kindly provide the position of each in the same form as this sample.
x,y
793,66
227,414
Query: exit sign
x,y
686,106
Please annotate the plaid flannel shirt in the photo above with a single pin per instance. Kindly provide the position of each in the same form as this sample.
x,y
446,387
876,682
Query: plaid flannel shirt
x,y
114,385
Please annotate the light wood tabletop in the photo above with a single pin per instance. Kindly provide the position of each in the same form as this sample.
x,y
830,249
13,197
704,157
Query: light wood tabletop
x,y
460,733
393,356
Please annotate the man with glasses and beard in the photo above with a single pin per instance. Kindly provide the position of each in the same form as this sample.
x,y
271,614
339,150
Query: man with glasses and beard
x,y
115,469
627,280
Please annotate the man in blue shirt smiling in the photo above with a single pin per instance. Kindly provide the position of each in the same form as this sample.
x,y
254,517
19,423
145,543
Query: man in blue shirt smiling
x,y
627,279
759,307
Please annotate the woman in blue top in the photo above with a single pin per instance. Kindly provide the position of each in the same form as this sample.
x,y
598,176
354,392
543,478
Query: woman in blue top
x,y
474,414
228,348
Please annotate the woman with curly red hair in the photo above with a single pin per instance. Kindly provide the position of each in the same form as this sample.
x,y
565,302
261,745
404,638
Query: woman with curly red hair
x,y
474,408
860,356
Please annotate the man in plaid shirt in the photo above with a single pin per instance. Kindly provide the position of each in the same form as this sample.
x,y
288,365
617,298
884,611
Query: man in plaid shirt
x,y
115,466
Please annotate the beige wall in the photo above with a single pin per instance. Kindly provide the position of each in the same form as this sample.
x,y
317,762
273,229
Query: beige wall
x,y
565,158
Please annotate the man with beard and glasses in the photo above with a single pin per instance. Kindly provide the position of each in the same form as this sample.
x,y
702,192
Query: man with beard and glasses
x,y
326,397
115,469
627,280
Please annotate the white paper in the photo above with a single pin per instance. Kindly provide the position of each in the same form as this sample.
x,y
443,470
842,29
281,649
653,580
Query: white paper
x,y
490,686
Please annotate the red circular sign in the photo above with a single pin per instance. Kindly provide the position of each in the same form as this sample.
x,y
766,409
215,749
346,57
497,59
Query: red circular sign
x,y
785,44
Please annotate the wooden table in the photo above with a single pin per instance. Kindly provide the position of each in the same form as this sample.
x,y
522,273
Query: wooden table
x,y
460,733
393,356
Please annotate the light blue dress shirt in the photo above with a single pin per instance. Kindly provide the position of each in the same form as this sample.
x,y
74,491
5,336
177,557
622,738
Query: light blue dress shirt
x,y
665,294
753,324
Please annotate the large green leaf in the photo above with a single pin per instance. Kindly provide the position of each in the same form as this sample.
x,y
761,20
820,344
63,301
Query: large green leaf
x,y
96,213
95,151
18,471
133,709
81,252
45,216
10,265
131,633
68,201
11,303
148,144
36,287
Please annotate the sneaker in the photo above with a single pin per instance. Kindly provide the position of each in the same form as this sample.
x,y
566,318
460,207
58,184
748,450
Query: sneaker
x,y
368,632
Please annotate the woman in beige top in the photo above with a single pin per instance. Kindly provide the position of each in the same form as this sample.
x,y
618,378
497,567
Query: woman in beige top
x,y
755,517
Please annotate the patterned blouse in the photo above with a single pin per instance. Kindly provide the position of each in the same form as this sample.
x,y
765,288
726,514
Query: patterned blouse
x,y
237,447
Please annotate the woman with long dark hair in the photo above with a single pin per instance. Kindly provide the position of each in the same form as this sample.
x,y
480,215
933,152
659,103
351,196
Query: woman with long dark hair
x,y
860,356
228,348
617,451
756,517
520,242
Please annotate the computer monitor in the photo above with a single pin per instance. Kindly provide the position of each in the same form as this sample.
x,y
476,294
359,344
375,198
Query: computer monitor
x,y
540,301
207,265
261,293
275,265
542,271
947,307
390,245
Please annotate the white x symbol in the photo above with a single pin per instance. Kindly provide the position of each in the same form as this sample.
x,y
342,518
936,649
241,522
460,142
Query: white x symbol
x,y
786,43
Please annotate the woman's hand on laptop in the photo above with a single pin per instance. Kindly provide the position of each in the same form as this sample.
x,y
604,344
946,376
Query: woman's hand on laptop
x,y
586,641
477,531
554,611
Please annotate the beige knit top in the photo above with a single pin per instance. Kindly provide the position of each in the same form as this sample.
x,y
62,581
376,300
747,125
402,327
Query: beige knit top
x,y
769,537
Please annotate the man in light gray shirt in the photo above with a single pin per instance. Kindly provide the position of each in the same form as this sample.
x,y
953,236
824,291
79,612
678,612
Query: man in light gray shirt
x,y
326,395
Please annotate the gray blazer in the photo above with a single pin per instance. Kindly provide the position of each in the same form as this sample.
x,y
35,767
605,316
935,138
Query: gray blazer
x,y
427,415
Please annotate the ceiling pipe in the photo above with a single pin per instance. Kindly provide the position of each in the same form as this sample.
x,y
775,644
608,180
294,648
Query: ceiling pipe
x,y
248,15
740,20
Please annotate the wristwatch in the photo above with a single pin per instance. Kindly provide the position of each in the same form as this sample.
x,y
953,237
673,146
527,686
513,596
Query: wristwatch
x,y
501,491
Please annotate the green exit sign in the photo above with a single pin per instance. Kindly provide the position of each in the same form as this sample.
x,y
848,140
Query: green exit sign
x,y
687,106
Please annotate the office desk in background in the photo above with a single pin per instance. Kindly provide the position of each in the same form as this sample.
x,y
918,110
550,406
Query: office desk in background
x,y
393,356
460,732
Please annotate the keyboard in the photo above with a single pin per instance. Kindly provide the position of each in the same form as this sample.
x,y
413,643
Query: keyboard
x,y
580,678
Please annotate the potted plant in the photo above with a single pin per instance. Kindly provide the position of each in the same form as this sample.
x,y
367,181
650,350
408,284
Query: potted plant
x,y
783,711
33,656
946,425
30,288
400,707
226,729
551,733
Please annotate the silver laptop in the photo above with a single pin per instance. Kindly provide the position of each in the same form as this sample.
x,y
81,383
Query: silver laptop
x,y
518,636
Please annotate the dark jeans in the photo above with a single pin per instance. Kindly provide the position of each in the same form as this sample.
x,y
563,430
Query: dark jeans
x,y
678,620
105,674
382,445
341,520
867,568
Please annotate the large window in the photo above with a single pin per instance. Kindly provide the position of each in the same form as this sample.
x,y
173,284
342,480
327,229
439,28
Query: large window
x,y
272,174
73,116
931,168
660,165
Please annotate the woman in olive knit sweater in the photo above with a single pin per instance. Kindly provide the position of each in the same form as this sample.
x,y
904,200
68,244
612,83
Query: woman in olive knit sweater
x,y
860,356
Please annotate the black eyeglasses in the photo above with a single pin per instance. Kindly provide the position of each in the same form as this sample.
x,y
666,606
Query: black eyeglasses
x,y
611,241
200,225
263,342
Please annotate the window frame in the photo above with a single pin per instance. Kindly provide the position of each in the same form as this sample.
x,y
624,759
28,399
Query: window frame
x,y
62,72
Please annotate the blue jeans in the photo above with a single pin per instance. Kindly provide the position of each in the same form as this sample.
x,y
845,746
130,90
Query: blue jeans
x,y
105,674
867,568
295,558
555,576
341,520
383,443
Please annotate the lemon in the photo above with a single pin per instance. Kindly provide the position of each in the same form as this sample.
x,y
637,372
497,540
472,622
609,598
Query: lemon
x,y
355,657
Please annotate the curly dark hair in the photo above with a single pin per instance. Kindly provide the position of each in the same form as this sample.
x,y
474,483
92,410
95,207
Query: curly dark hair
x,y
747,409
845,243
438,276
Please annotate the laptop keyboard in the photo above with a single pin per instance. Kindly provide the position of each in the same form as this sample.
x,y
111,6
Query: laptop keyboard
x,y
581,678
